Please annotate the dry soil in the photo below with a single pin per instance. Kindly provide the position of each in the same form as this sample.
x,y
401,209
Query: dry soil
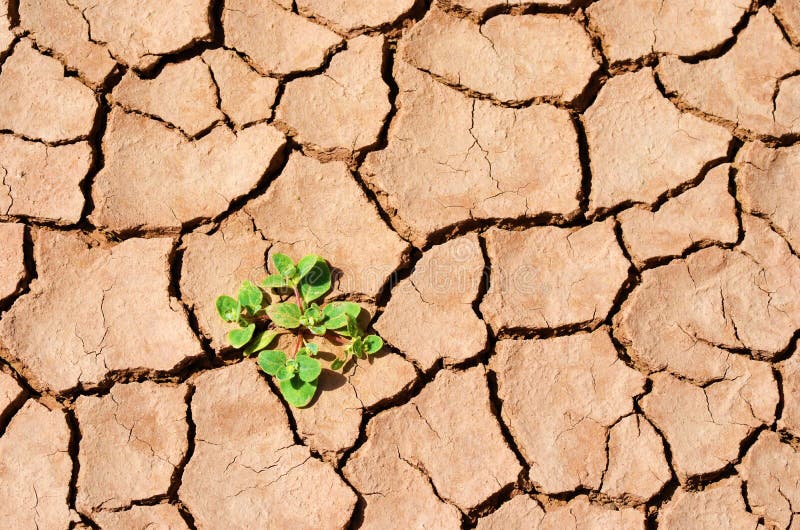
x,y
575,224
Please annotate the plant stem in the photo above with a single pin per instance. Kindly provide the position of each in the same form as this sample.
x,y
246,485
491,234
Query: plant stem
x,y
298,343
335,338
298,299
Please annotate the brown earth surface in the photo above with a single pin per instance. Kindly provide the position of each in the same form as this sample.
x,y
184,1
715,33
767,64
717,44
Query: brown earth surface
x,y
575,224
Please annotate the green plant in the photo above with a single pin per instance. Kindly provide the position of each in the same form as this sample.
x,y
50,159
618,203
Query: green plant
x,y
260,322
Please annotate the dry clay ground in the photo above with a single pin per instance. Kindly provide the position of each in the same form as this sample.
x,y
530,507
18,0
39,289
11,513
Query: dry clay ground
x,y
576,226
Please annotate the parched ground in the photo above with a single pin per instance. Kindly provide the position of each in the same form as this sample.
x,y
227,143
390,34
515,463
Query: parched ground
x,y
575,223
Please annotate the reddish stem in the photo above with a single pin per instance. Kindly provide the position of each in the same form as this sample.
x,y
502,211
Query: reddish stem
x,y
298,343
336,339
298,300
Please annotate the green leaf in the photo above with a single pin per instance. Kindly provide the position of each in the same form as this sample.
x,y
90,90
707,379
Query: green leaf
x,y
307,263
286,314
352,327
250,296
297,392
333,310
372,344
263,340
228,308
316,281
284,265
241,336
284,374
310,349
337,363
314,312
317,330
271,361
273,281
335,313
309,368
358,347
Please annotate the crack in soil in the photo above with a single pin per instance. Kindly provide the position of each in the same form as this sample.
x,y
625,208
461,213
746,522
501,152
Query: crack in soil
x,y
393,31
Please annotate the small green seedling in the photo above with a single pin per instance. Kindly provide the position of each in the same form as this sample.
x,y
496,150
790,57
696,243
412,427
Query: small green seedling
x,y
260,322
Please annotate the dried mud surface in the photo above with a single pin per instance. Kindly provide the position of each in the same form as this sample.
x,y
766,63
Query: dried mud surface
x,y
574,222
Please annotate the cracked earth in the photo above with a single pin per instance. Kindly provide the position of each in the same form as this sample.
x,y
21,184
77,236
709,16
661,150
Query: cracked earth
x,y
575,224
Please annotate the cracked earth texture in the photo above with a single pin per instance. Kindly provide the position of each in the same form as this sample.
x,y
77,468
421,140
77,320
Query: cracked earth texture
x,y
575,224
